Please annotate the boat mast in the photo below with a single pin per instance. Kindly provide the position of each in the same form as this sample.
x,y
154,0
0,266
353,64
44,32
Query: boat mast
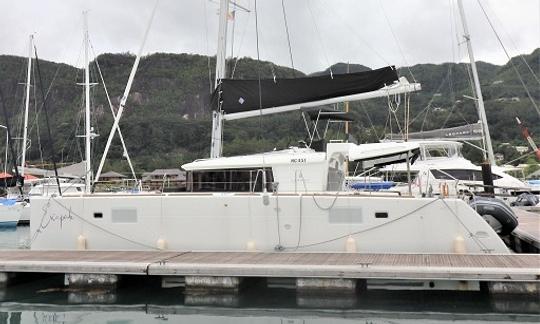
x,y
124,98
217,115
26,104
88,128
479,99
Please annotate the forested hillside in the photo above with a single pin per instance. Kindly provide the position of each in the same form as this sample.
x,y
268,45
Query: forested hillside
x,y
167,118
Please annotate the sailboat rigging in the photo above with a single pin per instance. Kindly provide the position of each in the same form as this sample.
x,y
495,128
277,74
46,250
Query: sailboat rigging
x,y
123,101
26,105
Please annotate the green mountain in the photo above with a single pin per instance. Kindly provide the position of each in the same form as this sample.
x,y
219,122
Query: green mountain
x,y
167,117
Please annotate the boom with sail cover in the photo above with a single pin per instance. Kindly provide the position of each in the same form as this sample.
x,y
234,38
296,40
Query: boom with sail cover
x,y
470,132
234,96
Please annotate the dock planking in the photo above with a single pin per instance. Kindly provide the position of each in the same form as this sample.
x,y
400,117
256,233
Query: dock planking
x,y
99,262
481,267
529,222
528,231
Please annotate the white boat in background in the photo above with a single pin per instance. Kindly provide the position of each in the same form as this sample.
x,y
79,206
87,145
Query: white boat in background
x,y
10,212
68,176
35,188
48,189
14,208
441,168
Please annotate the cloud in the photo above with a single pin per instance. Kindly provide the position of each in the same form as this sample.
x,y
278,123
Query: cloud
x,y
322,32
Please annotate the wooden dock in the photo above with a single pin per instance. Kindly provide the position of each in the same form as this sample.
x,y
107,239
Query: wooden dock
x,y
448,267
526,237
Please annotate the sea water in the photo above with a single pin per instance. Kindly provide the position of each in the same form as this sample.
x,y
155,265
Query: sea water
x,y
47,300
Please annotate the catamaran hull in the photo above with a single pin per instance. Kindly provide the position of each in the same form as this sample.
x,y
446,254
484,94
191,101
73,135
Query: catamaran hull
x,y
262,222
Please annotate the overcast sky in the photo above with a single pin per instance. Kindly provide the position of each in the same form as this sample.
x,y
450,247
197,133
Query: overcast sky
x,y
322,32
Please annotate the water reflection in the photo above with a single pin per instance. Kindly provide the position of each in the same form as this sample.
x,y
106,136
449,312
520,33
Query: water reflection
x,y
14,237
46,300
238,316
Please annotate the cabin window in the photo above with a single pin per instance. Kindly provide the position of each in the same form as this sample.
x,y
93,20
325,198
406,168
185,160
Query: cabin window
x,y
457,174
381,214
438,151
400,176
230,180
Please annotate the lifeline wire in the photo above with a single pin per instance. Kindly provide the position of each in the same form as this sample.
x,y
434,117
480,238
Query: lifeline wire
x,y
288,36
512,63
49,132
480,244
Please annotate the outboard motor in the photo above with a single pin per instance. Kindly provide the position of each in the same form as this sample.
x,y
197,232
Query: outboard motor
x,y
526,199
496,213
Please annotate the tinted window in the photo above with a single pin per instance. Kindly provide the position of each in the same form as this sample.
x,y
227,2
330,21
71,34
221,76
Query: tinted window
x,y
231,180
400,176
467,175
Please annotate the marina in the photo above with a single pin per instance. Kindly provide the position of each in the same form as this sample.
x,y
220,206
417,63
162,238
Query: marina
x,y
340,193
129,305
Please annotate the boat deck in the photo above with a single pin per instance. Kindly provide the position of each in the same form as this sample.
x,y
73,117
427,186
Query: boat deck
x,y
479,267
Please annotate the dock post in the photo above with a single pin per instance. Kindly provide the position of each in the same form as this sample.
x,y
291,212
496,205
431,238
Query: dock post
x,y
212,291
326,285
514,288
91,288
328,292
91,280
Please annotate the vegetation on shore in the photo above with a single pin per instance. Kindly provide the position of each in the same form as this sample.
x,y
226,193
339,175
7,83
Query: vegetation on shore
x,y
167,118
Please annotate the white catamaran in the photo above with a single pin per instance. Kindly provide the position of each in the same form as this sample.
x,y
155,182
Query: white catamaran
x,y
287,200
